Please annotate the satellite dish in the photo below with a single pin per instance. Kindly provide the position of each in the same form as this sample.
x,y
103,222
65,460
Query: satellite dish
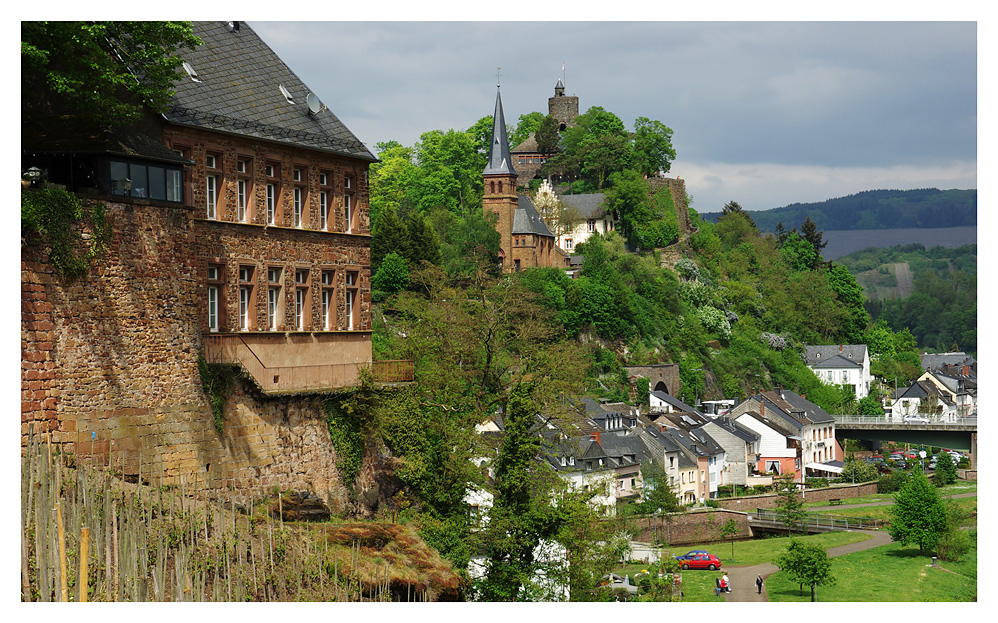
x,y
314,105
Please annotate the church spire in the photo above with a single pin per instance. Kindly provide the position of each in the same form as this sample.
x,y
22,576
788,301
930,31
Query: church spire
x,y
499,160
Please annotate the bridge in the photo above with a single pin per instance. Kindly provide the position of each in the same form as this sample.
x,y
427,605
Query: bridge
x,y
769,521
959,435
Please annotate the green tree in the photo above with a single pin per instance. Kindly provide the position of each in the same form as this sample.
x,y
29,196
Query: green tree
x,y
393,179
389,235
105,71
733,207
858,471
392,276
918,515
730,529
850,294
809,231
806,564
604,154
945,473
653,150
520,517
798,253
527,125
547,135
790,507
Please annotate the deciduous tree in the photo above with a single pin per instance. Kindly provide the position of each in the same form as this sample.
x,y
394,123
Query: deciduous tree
x,y
918,515
806,564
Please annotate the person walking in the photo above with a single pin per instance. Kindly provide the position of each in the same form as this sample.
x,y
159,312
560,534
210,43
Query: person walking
x,y
758,584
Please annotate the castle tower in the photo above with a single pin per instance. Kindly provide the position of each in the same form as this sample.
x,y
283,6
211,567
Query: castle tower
x,y
564,108
499,178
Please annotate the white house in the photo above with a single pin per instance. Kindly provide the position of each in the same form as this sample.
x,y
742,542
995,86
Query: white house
x,y
588,216
842,364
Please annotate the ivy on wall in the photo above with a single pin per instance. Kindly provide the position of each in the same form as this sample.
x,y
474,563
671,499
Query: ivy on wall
x,y
53,217
216,379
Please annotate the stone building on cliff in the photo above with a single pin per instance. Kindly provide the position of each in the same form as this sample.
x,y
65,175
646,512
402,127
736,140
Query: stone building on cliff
x,y
240,235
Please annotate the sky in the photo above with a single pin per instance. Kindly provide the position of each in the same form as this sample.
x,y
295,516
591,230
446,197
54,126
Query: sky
x,y
764,113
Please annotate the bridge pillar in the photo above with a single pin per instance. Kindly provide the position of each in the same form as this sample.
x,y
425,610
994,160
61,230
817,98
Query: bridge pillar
x,y
973,450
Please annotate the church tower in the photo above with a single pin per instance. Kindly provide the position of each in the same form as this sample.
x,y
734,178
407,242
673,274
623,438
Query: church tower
x,y
499,177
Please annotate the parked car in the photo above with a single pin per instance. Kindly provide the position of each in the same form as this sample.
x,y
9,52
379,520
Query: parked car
x,y
915,419
902,464
692,554
702,561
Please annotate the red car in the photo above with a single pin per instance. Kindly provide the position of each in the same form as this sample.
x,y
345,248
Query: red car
x,y
702,561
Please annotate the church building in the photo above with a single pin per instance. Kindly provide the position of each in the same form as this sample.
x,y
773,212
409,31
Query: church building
x,y
525,240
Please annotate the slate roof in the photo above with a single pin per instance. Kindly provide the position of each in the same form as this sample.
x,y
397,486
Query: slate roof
x,y
526,220
589,205
814,355
500,162
675,402
738,430
239,92
934,361
837,361
800,406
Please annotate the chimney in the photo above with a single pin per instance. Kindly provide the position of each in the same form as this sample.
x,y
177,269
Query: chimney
x,y
966,370
840,348
762,408
595,436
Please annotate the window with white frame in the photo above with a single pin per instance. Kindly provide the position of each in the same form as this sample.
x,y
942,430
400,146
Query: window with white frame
x,y
272,172
299,194
327,300
273,297
348,212
213,180
214,290
351,300
591,226
301,298
245,298
324,210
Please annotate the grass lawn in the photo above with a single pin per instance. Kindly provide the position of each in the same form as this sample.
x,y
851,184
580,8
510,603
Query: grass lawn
x,y
954,489
885,574
881,512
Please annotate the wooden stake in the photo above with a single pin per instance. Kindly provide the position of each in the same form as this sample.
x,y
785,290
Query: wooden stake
x,y
84,559
62,554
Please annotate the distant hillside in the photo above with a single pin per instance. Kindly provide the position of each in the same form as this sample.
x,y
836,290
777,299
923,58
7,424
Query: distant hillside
x,y
890,273
875,209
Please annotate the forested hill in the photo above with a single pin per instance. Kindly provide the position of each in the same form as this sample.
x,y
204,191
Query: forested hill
x,y
875,209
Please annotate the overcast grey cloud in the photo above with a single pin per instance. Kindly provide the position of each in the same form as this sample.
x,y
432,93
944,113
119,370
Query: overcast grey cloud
x,y
765,113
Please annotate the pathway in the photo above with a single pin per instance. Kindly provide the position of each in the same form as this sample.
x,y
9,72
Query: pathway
x,y
743,578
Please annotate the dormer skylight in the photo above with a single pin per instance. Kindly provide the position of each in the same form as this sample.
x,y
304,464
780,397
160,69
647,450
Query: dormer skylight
x,y
286,94
190,72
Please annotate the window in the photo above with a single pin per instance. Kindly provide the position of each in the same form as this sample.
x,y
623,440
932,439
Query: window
x,y
271,203
246,302
591,226
347,183
211,196
327,300
132,179
301,298
568,243
273,297
243,187
214,279
299,199
241,200
348,212
351,300
297,175
272,172
323,210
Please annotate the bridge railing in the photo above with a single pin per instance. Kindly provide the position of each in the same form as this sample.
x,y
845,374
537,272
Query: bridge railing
x,y
883,419
821,521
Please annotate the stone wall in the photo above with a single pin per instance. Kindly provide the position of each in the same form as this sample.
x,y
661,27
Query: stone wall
x,y
749,504
687,528
109,371
677,187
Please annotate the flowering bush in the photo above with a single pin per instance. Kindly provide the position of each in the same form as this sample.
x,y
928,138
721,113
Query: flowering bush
x,y
688,269
695,293
715,321
776,341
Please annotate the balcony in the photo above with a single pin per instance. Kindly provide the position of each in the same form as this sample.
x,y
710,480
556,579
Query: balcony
x,y
303,362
